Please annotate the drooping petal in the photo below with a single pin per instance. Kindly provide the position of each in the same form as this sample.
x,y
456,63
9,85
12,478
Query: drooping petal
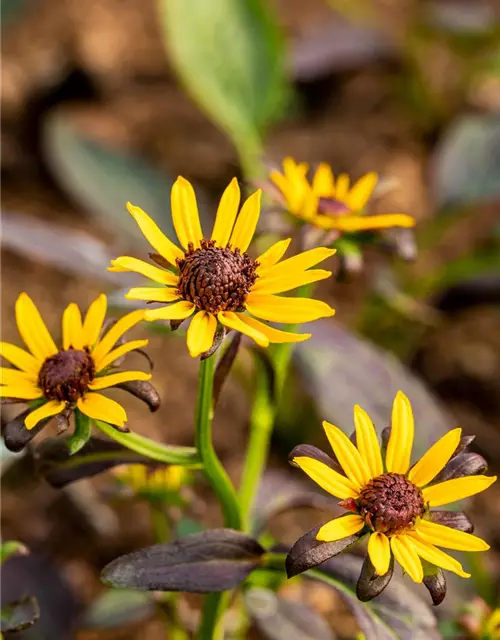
x,y
328,479
156,238
367,442
280,284
226,213
32,329
273,255
19,358
200,334
349,457
379,550
367,223
407,557
246,223
185,213
435,459
323,181
442,536
235,321
50,408
23,391
361,192
115,333
436,556
15,377
120,351
456,489
153,294
288,310
177,311
98,407
72,328
340,527
94,320
274,335
161,276
401,441
298,263
342,187
103,382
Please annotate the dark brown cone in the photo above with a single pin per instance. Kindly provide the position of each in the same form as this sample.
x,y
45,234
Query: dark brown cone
x,y
15,434
143,390
454,519
66,375
369,584
436,585
465,464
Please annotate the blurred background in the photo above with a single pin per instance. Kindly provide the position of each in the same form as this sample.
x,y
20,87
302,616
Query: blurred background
x,y
109,100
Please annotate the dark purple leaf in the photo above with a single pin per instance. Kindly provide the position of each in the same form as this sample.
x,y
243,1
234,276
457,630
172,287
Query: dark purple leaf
x,y
454,519
436,585
224,365
310,451
143,390
15,434
465,464
370,585
19,615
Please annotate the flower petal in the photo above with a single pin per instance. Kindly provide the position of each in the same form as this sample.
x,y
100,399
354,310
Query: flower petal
x,y
401,441
284,283
19,358
288,310
246,222
156,238
200,334
120,351
435,459
348,456
177,311
361,192
328,479
367,223
342,187
32,329
161,276
274,335
436,556
185,213
153,294
298,263
235,321
98,407
367,442
72,328
340,527
407,557
50,408
323,183
226,213
442,536
456,489
94,320
273,254
379,550
15,377
115,333
103,382
22,391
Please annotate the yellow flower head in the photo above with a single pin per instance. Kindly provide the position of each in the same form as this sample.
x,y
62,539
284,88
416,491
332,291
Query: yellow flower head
x,y
216,281
330,203
391,500
144,480
69,376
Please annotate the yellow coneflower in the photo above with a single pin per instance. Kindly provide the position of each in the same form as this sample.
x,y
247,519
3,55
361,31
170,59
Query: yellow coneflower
x,y
70,376
143,480
329,203
391,500
216,281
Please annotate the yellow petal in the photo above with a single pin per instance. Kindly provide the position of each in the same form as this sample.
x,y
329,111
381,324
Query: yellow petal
x,y
298,263
283,283
185,213
283,184
15,377
32,329
94,320
273,254
288,310
235,321
177,311
156,238
456,489
328,479
161,276
435,459
379,550
72,328
153,294
407,557
200,334
120,351
50,408
226,213
342,187
274,335
350,460
442,536
339,528
246,223
367,223
294,169
98,407
361,192
103,382
19,358
435,556
22,391
115,333
323,183
401,441
367,442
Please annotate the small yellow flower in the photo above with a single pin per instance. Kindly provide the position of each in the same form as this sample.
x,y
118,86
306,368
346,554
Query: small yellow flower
x,y
390,500
144,480
216,281
330,203
72,375
492,625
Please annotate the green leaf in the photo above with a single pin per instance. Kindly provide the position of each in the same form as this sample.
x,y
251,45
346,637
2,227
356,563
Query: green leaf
x,y
12,548
81,434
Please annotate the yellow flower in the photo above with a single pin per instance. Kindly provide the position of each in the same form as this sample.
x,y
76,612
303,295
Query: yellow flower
x,y
144,480
391,500
492,626
72,375
216,281
331,204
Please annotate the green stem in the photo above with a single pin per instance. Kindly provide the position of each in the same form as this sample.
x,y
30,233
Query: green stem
x,y
214,606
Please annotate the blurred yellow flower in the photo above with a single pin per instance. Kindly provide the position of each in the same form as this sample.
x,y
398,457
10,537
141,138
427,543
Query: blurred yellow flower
x,y
143,479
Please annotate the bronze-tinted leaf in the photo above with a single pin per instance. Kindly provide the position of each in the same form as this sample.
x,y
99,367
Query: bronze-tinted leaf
x,y
19,615
465,464
15,434
143,390
225,364
436,585
371,585
310,451
454,519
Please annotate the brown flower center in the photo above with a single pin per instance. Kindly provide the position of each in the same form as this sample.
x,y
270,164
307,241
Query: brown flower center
x,y
67,375
216,279
391,503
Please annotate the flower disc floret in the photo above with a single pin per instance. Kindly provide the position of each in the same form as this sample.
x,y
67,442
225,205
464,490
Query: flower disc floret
x,y
67,375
